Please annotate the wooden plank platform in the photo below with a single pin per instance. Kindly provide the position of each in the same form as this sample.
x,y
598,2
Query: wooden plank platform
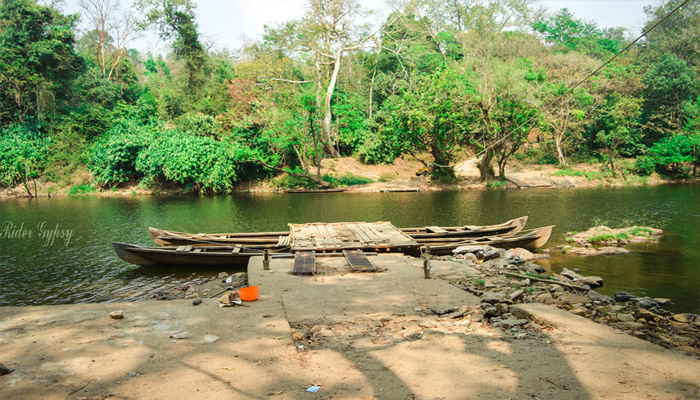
x,y
336,237
304,263
358,261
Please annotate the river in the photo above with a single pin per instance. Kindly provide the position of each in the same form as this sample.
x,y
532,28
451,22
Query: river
x,y
57,250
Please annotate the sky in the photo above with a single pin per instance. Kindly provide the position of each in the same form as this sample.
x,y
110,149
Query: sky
x,y
227,24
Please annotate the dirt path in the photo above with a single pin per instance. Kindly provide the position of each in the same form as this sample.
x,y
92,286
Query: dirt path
x,y
356,336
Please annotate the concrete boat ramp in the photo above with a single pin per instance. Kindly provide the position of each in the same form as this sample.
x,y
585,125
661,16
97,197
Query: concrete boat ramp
x,y
348,335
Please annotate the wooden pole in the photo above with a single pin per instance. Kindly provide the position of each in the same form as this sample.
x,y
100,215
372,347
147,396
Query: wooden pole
x,y
266,260
426,262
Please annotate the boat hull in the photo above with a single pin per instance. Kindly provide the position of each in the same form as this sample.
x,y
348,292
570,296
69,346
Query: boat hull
x,y
146,256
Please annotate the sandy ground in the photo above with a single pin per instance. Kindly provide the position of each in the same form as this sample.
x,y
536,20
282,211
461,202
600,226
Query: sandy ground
x,y
357,336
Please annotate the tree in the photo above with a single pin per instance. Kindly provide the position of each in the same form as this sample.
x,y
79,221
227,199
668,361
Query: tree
x,y
433,114
620,116
37,60
175,21
567,33
110,33
678,34
671,86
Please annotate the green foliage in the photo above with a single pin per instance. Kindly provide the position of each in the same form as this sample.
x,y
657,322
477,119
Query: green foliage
x,y
672,154
568,33
37,60
113,158
589,175
638,231
347,180
23,150
496,184
79,190
606,237
202,164
645,165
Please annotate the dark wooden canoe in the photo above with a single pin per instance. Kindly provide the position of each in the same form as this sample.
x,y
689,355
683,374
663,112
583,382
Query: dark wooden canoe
x,y
530,240
431,236
185,255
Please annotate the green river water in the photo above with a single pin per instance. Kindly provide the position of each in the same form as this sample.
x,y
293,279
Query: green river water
x,y
58,251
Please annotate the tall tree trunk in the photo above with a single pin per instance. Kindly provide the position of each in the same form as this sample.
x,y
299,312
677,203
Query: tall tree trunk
x,y
329,144
484,166
558,144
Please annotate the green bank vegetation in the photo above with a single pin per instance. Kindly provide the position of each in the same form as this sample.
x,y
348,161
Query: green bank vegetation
x,y
436,80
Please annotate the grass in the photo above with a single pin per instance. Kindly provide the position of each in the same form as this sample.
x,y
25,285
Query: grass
x,y
387,177
496,184
589,175
606,237
347,180
80,190
637,231
479,282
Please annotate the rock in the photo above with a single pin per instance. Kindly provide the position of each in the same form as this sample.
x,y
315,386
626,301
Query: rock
x,y
526,282
412,332
633,325
601,298
592,281
493,298
472,249
427,323
521,254
4,370
210,338
490,312
683,318
545,298
116,314
477,317
572,299
555,288
196,302
645,302
512,322
623,296
579,311
502,308
534,268
490,255
470,257
570,274
442,309
516,294
622,317
600,251
664,302
645,315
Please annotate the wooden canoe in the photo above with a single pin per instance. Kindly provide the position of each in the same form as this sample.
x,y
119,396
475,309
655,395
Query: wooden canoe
x,y
279,240
256,240
185,255
336,190
530,240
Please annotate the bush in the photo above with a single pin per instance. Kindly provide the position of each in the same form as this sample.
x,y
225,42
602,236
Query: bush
x,y
644,165
23,149
201,163
113,157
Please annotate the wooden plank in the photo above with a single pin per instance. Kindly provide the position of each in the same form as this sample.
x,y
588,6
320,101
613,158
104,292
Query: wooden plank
x,y
304,263
236,250
435,229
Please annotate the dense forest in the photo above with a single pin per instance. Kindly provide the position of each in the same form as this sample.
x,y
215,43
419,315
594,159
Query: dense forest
x,y
437,80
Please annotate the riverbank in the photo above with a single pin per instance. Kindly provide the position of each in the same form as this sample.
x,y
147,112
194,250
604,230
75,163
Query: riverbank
x,y
400,176
354,336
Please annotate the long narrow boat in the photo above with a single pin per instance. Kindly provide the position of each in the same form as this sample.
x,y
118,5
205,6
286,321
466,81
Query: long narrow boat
x,y
529,240
185,255
432,235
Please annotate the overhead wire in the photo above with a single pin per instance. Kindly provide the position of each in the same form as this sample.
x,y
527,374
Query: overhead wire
x,y
555,101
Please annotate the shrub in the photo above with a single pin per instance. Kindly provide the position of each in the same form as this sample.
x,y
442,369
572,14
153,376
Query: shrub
x,y
201,163
23,149
644,165
113,157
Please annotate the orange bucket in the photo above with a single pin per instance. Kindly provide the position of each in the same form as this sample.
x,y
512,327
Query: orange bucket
x,y
249,293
